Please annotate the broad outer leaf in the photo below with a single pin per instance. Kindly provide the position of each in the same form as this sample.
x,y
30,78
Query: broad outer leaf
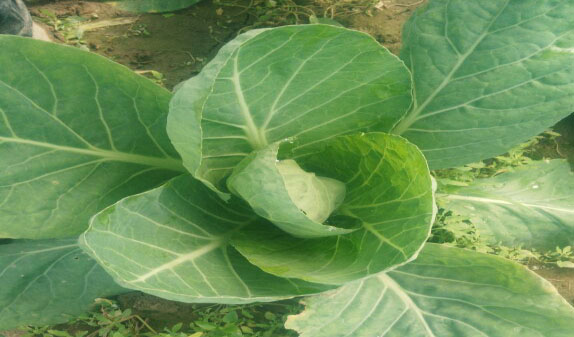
x,y
311,82
172,242
532,206
258,180
487,75
153,6
48,282
389,202
77,133
446,292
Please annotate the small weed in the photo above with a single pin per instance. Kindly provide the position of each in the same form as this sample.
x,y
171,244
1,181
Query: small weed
x,y
272,13
157,77
69,28
139,29
455,230
561,257
523,154
207,321
248,320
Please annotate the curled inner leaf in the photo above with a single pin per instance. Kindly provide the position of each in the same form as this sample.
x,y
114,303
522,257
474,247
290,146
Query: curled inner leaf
x,y
317,197
295,200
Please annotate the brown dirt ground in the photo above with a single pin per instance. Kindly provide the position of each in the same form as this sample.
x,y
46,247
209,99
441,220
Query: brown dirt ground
x,y
175,45
179,45
562,279
385,25
566,142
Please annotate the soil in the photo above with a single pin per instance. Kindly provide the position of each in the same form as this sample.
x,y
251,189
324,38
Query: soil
x,y
157,311
566,141
562,279
178,44
385,25
76,8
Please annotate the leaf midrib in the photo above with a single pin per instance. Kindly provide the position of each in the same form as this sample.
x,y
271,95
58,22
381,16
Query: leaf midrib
x,y
189,257
256,136
503,202
43,250
410,304
172,164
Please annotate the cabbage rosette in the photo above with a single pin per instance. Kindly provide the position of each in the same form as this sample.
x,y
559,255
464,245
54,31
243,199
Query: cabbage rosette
x,y
296,188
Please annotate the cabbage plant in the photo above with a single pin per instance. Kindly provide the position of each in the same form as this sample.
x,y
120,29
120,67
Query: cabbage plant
x,y
295,164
